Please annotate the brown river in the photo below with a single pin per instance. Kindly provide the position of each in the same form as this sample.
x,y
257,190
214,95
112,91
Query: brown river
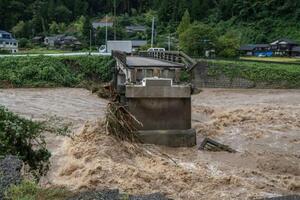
x,y
262,125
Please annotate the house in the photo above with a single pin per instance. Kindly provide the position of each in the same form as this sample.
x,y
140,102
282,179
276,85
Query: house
x,y
281,47
50,41
254,49
106,21
37,40
295,51
7,42
134,29
69,42
62,42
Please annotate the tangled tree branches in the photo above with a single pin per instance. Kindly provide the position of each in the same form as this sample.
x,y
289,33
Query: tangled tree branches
x,y
121,123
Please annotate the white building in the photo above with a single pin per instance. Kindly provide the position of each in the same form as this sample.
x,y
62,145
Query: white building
x,y
7,42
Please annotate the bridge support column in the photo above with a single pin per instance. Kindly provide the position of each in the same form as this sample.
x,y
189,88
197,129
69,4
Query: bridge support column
x,y
165,112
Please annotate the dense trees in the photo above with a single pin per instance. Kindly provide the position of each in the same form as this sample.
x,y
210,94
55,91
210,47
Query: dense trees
x,y
255,21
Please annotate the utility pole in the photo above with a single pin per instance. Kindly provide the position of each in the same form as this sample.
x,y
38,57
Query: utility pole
x,y
115,21
90,41
152,35
169,42
106,32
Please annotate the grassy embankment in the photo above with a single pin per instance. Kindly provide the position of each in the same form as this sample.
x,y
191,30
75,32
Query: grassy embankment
x,y
272,59
43,71
270,74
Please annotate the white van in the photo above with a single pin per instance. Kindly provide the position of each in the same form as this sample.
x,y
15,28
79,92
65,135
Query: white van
x,y
156,49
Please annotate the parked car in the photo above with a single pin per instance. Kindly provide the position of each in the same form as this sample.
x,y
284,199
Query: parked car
x,y
156,49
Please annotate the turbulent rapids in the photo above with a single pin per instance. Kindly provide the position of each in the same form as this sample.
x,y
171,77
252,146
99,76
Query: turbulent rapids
x,y
262,125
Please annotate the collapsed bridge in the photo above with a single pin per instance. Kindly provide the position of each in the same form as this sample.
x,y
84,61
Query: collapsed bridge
x,y
150,86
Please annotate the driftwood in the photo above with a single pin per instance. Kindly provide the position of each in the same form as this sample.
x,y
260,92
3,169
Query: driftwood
x,y
211,145
121,123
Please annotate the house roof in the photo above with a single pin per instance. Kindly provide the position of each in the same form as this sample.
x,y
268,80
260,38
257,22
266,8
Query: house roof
x,y
9,38
251,47
70,38
37,37
138,43
135,28
2,31
284,41
103,20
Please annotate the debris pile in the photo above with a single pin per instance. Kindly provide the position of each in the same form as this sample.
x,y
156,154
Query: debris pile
x,y
120,122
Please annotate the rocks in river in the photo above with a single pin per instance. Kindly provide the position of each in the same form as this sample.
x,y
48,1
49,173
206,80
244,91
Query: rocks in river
x,y
10,173
115,195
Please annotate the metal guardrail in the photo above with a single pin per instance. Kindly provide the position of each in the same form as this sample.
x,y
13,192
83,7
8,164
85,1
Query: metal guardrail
x,y
170,56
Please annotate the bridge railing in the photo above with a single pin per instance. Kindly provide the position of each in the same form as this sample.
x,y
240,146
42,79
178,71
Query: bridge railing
x,y
120,55
171,56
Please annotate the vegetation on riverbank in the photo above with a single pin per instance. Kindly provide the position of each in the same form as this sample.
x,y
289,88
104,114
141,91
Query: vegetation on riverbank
x,y
31,191
272,59
280,75
44,71
23,138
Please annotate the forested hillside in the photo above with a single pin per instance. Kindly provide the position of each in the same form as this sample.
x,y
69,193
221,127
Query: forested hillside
x,y
242,21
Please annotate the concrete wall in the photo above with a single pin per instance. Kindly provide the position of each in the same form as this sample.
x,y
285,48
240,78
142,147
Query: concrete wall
x,y
160,106
201,78
161,113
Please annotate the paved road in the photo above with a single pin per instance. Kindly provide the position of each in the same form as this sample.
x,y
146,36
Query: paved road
x,y
58,54
135,61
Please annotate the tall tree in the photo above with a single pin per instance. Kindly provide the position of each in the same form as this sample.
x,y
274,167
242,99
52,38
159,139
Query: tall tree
x,y
185,22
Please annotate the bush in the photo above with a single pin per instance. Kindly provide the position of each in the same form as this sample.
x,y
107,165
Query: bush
x,y
24,43
2,51
31,191
23,138
43,71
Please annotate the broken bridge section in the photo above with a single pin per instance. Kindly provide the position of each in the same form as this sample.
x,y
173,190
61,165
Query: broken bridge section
x,y
149,85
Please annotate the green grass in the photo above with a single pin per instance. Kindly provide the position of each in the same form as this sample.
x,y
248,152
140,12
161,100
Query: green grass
x,y
45,71
42,50
270,74
272,59
31,191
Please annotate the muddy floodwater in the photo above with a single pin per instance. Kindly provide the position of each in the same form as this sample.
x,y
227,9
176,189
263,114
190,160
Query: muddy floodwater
x,y
262,125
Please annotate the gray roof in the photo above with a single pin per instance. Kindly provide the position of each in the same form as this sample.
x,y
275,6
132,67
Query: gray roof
x,y
10,39
138,43
251,47
1,31
135,28
288,41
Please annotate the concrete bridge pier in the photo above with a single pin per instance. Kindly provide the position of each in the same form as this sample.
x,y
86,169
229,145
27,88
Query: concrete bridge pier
x,y
165,112
152,91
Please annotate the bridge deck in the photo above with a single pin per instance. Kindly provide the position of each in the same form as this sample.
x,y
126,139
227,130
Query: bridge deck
x,y
136,61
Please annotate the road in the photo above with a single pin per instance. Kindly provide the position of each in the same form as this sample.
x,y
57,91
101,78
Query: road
x,y
135,61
